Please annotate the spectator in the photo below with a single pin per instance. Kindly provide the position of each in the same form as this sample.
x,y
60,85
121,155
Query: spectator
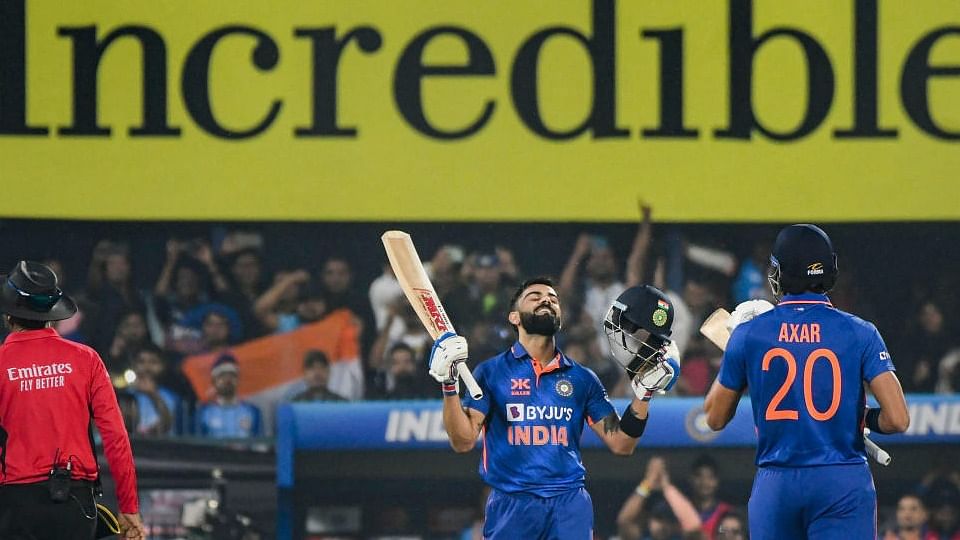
x,y
700,367
750,282
158,407
336,287
217,330
601,284
316,377
245,285
226,416
484,300
731,526
943,501
911,520
948,378
673,517
401,316
921,354
182,298
110,286
402,380
488,292
384,292
705,484
130,336
278,309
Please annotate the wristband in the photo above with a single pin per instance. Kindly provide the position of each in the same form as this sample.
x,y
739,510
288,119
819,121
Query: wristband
x,y
642,489
631,425
872,421
449,389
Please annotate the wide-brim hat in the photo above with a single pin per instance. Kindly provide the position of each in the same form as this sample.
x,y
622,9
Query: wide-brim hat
x,y
30,291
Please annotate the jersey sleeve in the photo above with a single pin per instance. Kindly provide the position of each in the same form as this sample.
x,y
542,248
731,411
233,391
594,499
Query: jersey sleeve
x,y
598,404
482,374
733,370
876,358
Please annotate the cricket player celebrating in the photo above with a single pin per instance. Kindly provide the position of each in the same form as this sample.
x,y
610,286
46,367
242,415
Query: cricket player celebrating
x,y
536,401
805,363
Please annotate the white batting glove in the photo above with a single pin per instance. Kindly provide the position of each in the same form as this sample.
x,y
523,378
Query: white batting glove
x,y
746,311
661,378
447,350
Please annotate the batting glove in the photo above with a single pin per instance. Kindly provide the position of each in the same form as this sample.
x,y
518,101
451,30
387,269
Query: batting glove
x,y
746,311
447,350
661,378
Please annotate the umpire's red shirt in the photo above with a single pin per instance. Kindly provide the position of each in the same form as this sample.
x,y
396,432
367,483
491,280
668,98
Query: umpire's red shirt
x,y
47,387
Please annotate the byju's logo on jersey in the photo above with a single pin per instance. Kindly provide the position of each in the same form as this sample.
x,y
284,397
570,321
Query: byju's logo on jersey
x,y
515,412
519,387
815,269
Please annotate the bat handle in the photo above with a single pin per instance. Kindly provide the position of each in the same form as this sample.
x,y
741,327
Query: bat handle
x,y
464,372
878,454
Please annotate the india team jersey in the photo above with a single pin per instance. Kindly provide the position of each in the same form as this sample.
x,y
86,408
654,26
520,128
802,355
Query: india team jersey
x,y
534,419
805,363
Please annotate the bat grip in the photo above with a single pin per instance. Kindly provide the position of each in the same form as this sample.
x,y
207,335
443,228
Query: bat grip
x,y
878,454
464,372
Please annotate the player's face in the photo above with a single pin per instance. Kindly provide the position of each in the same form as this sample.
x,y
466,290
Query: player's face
x,y
539,308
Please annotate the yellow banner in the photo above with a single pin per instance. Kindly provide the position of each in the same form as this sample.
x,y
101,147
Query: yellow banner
x,y
384,110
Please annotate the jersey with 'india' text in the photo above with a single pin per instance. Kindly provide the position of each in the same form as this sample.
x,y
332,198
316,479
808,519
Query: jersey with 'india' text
x,y
805,363
534,419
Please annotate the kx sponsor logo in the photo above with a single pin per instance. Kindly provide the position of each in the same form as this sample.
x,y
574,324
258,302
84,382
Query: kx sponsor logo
x,y
519,387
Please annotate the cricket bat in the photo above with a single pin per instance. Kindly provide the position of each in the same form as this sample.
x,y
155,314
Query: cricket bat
x,y
419,291
715,329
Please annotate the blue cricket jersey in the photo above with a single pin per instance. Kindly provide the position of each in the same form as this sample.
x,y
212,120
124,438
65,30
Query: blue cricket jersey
x,y
805,363
534,419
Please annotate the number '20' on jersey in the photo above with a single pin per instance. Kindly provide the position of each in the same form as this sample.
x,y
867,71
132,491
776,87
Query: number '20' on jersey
x,y
804,363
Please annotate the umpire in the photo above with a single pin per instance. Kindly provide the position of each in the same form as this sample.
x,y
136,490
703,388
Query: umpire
x,y
50,388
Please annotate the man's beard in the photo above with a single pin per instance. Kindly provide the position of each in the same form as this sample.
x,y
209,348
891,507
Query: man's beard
x,y
540,324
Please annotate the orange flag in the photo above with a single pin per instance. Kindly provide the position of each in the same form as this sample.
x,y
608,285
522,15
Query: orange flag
x,y
278,359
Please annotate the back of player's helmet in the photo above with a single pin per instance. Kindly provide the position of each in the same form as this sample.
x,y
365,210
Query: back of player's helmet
x,y
638,326
802,260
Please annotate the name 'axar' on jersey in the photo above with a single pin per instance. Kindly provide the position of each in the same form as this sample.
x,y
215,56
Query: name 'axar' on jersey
x,y
805,363
534,420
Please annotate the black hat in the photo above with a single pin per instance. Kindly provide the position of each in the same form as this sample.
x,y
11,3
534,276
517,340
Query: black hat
x,y
30,292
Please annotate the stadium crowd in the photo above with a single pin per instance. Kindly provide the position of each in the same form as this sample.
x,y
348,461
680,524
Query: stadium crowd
x,y
182,352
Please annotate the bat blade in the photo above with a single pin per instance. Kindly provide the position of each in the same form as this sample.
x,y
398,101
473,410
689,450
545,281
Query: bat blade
x,y
419,291
415,283
715,328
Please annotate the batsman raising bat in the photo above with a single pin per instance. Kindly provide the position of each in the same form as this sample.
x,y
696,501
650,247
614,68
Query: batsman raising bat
x,y
536,401
805,364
